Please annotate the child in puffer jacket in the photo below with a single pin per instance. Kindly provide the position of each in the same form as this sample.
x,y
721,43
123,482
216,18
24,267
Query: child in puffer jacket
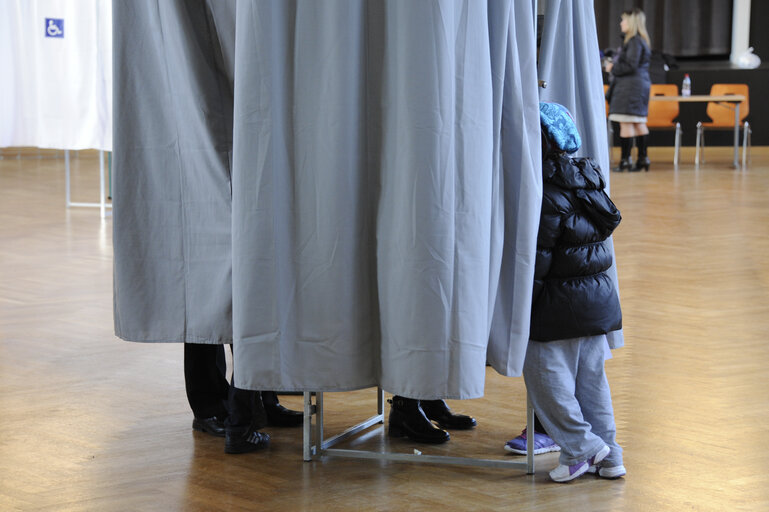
x,y
574,305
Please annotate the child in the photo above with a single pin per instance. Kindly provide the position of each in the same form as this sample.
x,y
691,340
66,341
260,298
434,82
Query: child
x,y
574,305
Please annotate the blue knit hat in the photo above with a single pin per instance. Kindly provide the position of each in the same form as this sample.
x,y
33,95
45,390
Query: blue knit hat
x,y
559,127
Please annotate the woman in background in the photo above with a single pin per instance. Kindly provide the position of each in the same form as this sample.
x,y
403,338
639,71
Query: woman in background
x,y
629,90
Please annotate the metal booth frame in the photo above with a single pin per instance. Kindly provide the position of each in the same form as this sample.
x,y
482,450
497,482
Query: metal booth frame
x,y
316,446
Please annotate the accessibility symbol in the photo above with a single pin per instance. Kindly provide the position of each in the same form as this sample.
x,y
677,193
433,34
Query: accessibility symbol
x,y
54,27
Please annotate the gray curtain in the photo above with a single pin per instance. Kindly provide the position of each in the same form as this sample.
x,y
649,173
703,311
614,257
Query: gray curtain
x,y
367,216
684,28
569,61
386,168
171,188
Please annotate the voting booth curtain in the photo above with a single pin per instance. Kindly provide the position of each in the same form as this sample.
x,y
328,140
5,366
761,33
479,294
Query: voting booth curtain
x,y
349,192
56,87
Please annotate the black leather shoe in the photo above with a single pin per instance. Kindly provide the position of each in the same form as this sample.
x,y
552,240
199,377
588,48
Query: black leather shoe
x,y
625,164
279,416
245,441
212,425
408,419
438,411
642,163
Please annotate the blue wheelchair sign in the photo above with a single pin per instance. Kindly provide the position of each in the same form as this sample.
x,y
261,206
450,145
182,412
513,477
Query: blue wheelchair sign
x,y
54,27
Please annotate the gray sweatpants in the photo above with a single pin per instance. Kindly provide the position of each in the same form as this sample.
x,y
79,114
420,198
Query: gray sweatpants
x,y
570,393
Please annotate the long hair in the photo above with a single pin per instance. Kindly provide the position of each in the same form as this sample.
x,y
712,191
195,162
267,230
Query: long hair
x,y
636,25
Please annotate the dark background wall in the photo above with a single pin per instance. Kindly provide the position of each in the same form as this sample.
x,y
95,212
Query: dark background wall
x,y
684,28
707,62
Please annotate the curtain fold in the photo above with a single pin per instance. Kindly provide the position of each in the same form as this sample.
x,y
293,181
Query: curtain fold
x,y
518,183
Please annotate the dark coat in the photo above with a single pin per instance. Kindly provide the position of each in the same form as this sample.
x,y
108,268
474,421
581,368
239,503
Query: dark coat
x,y
573,293
629,90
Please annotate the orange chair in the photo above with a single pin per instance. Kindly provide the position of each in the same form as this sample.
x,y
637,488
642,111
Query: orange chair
x,y
722,116
663,114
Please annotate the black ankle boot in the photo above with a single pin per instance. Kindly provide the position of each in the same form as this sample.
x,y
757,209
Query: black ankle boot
x,y
408,419
642,163
626,164
438,411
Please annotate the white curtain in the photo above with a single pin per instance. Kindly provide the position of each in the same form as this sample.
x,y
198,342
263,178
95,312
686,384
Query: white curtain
x,y
56,79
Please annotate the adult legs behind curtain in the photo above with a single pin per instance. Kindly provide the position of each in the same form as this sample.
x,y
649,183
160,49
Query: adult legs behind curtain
x,y
223,410
175,286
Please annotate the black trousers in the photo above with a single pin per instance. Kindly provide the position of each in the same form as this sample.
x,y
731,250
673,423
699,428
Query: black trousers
x,y
209,393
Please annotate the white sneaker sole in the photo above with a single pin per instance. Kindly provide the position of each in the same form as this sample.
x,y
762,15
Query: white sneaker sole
x,y
609,473
538,451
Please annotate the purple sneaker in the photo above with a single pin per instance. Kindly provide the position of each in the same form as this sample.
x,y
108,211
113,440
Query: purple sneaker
x,y
567,473
542,444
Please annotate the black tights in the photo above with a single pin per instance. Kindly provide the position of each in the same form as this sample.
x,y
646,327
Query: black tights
x,y
626,144
642,142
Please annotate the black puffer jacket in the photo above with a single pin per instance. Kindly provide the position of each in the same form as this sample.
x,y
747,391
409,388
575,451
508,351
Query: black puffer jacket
x,y
573,294
629,90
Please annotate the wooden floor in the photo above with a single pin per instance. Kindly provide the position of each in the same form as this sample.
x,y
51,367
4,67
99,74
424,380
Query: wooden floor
x,y
89,422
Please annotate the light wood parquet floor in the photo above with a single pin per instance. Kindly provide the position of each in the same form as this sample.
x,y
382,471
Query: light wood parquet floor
x,y
89,422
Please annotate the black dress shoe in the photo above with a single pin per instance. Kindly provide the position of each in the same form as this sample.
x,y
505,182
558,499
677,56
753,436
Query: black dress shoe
x,y
438,411
245,441
212,425
279,416
625,164
408,419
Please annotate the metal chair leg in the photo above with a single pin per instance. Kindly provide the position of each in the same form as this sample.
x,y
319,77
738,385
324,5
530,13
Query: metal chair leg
x,y
746,143
700,144
677,154
750,141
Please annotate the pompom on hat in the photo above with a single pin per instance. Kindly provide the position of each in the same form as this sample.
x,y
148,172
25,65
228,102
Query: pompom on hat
x,y
558,125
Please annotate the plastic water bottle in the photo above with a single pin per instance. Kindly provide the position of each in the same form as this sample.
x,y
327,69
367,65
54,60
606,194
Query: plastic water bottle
x,y
686,86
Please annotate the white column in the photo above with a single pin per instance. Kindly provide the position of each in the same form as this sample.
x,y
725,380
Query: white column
x,y
740,28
